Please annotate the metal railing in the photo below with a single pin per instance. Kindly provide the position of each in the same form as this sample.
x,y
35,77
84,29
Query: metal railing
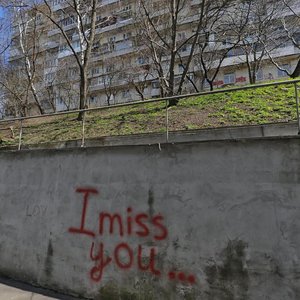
x,y
157,100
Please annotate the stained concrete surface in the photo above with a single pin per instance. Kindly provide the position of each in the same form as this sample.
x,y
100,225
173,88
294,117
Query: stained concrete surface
x,y
223,220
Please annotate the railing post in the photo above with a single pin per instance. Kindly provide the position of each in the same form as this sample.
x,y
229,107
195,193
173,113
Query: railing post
x,y
167,122
20,135
297,104
83,130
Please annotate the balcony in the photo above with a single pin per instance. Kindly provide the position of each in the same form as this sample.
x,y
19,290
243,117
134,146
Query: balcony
x,y
195,2
51,44
113,50
15,54
56,30
59,6
106,2
155,92
114,26
64,53
96,87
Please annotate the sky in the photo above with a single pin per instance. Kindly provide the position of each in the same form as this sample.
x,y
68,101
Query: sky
x,y
4,32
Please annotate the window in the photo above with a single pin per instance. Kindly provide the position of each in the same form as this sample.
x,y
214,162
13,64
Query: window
x,y
67,21
93,99
281,73
142,60
227,41
181,68
109,68
49,77
229,78
127,36
55,2
50,63
125,12
76,44
125,93
63,47
212,37
189,77
259,75
38,19
181,36
155,84
59,100
230,53
183,48
45,104
96,45
72,72
112,39
206,84
96,71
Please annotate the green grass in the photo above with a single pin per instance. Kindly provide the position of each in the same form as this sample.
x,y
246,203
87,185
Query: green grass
x,y
248,107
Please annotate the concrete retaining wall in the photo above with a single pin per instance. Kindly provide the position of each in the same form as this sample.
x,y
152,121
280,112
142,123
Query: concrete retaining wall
x,y
212,220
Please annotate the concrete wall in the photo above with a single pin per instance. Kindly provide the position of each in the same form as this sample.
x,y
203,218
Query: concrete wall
x,y
209,221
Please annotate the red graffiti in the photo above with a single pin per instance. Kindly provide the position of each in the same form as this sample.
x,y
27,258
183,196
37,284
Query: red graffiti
x,y
140,224
151,264
82,230
218,82
119,263
124,256
241,79
122,250
191,279
113,223
97,271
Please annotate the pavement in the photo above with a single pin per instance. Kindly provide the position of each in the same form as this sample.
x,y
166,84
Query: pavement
x,y
12,293
15,290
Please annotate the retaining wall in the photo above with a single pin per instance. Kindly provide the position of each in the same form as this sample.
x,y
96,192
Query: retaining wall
x,y
212,220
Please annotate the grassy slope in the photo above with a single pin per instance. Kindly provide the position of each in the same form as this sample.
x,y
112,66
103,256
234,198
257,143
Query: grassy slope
x,y
260,106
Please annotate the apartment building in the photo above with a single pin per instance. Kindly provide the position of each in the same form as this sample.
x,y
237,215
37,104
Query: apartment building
x,y
121,68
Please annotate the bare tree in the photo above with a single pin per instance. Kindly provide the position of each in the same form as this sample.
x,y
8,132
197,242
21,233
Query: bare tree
x,y
61,85
288,34
110,77
81,14
14,88
163,31
161,27
260,18
29,45
139,75
25,40
220,33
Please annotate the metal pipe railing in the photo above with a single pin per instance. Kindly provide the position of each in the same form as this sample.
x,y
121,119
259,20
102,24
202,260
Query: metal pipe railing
x,y
140,102
20,135
297,105
165,99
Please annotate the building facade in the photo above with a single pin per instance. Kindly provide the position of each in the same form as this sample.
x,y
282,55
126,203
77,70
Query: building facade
x,y
132,50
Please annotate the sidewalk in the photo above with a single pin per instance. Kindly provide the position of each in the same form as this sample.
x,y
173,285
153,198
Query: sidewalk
x,y
15,290
11,293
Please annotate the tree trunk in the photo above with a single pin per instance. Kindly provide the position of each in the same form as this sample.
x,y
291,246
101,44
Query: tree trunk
x,y
172,102
252,76
83,92
36,99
